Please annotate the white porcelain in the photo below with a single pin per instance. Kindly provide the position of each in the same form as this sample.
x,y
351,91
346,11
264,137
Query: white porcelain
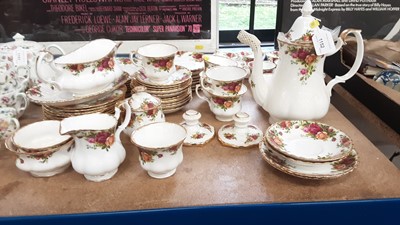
x,y
309,170
224,80
240,133
216,60
198,133
22,55
88,69
296,89
268,66
40,136
176,77
157,61
145,109
223,107
8,123
42,164
192,61
15,99
160,148
308,140
45,94
389,78
98,150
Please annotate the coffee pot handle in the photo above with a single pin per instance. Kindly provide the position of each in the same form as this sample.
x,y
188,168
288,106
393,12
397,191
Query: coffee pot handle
x,y
357,62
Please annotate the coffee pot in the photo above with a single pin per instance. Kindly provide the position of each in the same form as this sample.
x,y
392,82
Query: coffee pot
x,y
296,90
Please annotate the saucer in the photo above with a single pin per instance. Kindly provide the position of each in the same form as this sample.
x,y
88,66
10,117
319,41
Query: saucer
x,y
308,140
127,66
190,60
309,170
199,134
45,94
181,75
230,136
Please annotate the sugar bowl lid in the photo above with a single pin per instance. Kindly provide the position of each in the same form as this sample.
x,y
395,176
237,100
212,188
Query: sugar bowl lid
x,y
19,41
142,101
304,26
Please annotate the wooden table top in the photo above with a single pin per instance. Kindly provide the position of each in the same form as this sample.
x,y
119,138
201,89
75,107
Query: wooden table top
x,y
212,174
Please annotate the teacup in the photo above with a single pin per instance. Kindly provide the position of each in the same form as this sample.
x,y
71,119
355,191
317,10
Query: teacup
x,y
223,107
157,61
160,147
15,99
42,164
10,80
216,60
224,80
8,125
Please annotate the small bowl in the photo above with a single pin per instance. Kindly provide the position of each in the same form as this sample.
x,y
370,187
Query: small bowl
x,y
42,164
160,147
40,136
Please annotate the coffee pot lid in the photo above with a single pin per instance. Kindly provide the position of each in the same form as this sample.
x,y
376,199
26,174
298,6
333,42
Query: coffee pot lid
x,y
304,26
142,101
19,41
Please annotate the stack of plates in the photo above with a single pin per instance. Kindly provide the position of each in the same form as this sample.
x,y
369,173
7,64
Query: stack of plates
x,y
308,149
174,94
105,104
193,62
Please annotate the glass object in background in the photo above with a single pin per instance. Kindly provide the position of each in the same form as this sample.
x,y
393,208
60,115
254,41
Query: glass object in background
x,y
265,14
234,14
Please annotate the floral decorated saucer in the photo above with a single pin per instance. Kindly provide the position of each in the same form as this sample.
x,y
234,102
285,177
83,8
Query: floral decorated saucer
x,y
240,134
181,75
198,133
309,170
190,60
308,140
45,94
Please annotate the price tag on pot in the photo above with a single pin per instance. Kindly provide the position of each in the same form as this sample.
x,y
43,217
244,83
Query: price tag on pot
x,y
323,42
20,57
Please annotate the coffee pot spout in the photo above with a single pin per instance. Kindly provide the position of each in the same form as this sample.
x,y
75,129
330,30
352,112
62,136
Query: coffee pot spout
x,y
257,81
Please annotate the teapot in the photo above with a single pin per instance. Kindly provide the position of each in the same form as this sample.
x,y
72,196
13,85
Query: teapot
x,y
86,70
98,150
296,90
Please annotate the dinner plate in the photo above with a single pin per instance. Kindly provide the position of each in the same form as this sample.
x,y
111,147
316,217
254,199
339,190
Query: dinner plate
x,y
308,140
309,170
45,94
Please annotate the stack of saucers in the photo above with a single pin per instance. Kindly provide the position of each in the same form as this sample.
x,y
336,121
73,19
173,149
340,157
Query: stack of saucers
x,y
105,104
174,94
308,149
194,62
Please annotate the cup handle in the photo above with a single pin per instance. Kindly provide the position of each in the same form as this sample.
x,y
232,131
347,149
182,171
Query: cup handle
x,y
48,58
134,61
127,119
56,47
24,105
200,96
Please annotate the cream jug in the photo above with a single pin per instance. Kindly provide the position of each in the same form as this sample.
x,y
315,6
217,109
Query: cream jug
x,y
296,90
98,150
86,70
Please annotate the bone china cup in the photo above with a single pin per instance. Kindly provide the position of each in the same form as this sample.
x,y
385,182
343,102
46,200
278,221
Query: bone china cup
x,y
8,125
224,80
40,136
157,61
160,147
223,107
14,99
